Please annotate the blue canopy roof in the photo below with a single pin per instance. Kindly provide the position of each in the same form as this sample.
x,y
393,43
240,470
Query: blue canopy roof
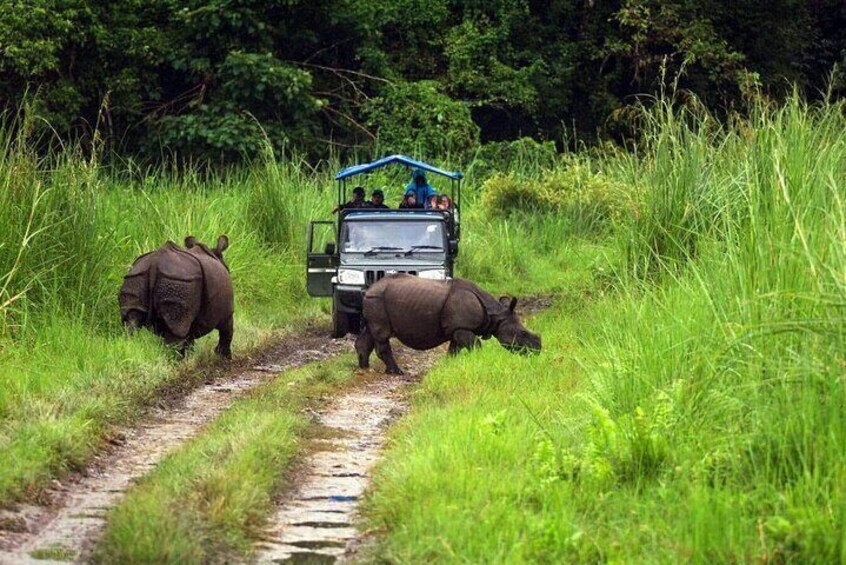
x,y
401,159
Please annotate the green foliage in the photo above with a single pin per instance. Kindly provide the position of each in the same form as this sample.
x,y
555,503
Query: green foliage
x,y
476,69
419,118
694,410
78,56
515,156
258,100
69,229
209,79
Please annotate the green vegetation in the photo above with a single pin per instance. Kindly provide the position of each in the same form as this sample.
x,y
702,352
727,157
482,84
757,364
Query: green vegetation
x,y
213,80
208,501
689,404
69,229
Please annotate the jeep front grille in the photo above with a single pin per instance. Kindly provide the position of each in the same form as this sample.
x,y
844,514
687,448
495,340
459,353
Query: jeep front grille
x,y
371,277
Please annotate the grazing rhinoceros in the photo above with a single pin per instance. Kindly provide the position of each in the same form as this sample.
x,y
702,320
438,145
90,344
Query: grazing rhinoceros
x,y
181,294
423,314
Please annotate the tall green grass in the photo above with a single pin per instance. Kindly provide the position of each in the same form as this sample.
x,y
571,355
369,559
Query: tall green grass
x,y
69,229
703,418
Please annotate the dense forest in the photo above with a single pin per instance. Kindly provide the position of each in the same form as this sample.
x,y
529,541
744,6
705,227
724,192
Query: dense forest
x,y
214,79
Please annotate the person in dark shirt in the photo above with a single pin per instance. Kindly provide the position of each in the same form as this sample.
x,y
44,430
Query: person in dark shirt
x,y
356,202
377,199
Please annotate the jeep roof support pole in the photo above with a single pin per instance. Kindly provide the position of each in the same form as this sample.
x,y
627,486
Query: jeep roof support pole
x,y
341,189
457,186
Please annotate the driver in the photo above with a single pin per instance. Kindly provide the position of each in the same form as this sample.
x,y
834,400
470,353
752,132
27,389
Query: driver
x,y
356,202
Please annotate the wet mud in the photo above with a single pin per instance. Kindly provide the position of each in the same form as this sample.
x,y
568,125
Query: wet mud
x,y
66,528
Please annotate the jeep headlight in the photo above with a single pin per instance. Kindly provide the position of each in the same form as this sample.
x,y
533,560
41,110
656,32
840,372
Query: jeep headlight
x,y
434,274
350,276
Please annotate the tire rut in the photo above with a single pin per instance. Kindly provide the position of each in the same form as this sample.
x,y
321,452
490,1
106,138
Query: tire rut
x,y
68,527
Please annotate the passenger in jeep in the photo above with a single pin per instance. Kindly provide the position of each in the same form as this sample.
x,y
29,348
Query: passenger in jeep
x,y
377,200
356,202
421,188
442,202
410,200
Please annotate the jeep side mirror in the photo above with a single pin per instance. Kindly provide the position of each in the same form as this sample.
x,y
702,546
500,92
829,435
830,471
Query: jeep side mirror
x,y
330,248
453,247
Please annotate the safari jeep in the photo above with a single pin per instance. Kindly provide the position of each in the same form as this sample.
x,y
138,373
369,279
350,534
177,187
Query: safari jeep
x,y
347,255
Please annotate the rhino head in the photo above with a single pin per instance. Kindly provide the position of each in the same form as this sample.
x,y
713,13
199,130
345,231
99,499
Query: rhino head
x,y
134,320
511,333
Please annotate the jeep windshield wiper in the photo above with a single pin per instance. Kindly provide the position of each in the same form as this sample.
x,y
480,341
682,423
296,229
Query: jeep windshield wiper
x,y
414,248
375,250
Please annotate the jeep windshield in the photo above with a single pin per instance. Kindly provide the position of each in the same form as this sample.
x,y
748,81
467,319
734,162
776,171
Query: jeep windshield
x,y
376,236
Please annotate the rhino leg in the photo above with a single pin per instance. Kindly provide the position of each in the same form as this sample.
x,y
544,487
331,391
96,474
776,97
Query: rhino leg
x,y
364,345
224,341
386,354
463,339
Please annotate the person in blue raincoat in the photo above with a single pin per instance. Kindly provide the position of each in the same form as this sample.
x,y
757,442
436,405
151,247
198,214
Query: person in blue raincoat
x,y
422,190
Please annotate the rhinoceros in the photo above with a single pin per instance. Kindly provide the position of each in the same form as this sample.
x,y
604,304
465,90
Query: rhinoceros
x,y
425,313
181,294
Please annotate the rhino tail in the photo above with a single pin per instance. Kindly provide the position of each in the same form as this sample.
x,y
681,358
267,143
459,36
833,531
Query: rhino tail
x,y
177,303
152,275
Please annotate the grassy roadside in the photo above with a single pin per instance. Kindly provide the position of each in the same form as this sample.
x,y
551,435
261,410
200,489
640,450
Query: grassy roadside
x,y
208,501
463,480
695,411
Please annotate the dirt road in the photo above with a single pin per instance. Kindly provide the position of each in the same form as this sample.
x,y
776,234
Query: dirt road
x,y
66,528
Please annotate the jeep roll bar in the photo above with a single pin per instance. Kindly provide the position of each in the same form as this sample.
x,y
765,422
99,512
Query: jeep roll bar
x,y
354,170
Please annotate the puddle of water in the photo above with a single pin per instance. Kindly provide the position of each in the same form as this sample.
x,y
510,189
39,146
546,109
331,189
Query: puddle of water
x,y
309,558
323,524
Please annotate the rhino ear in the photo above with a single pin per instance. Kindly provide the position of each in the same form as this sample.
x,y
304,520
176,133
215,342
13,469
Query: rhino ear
x,y
190,242
505,301
222,244
513,304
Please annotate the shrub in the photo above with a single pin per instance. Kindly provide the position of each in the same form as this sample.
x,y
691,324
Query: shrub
x,y
588,198
523,155
419,118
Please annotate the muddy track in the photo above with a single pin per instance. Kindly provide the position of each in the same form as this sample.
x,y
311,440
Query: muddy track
x,y
70,524
315,521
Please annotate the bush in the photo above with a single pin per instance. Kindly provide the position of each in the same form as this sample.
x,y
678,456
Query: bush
x,y
588,198
419,118
524,154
